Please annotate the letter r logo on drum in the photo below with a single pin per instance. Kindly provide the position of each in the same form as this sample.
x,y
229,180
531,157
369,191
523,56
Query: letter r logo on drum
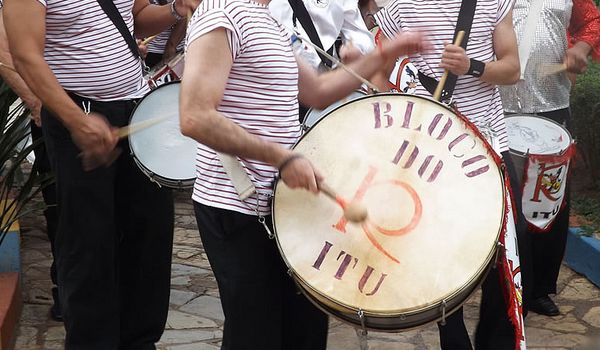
x,y
368,226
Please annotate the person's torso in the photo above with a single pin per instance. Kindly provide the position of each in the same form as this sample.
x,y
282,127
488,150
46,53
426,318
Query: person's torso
x,y
540,91
261,95
87,53
477,100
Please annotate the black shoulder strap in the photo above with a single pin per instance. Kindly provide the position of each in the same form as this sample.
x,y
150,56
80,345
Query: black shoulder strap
x,y
464,23
303,16
111,11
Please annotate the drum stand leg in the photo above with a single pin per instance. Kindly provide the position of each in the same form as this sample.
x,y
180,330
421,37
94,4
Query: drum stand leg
x,y
362,332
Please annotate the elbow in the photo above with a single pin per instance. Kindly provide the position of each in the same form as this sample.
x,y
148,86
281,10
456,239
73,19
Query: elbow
x,y
514,77
187,124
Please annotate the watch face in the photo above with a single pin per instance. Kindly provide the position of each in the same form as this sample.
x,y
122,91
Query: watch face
x,y
321,3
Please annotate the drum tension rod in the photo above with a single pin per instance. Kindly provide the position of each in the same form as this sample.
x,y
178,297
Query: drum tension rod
x,y
443,320
362,333
499,247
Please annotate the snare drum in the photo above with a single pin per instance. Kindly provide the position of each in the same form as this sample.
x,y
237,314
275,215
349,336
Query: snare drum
x,y
541,150
314,115
435,197
161,151
168,72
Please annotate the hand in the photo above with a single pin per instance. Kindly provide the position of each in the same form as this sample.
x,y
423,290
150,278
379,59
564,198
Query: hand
x,y
185,8
576,58
349,53
35,108
97,141
142,48
455,60
300,173
404,44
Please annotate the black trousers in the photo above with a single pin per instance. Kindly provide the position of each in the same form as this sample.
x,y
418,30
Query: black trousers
x,y
263,309
152,59
548,248
42,164
113,244
494,330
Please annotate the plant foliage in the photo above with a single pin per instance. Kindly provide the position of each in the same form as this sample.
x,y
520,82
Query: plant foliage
x,y
16,190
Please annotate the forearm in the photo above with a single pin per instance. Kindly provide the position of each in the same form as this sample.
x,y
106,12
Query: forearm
x,y
502,72
152,19
38,76
216,131
177,34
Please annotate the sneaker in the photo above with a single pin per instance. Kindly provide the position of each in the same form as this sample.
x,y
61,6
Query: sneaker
x,y
544,306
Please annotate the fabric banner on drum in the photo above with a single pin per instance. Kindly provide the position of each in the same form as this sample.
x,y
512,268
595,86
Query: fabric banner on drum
x,y
544,188
511,272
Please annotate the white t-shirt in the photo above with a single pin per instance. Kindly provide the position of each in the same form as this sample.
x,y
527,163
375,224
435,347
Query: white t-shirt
x,y
87,53
261,95
474,98
332,18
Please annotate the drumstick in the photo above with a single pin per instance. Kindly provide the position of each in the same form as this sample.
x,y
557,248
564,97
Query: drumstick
x,y
7,67
343,66
147,40
133,128
353,211
552,68
440,86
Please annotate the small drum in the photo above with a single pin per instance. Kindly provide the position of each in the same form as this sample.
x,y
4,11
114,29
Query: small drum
x,y
314,115
435,197
541,150
170,71
404,77
161,151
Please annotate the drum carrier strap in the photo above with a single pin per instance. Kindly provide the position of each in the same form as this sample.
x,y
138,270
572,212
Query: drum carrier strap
x,y
301,13
464,23
113,14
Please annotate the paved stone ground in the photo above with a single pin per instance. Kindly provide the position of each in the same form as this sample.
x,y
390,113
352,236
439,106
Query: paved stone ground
x,y
195,319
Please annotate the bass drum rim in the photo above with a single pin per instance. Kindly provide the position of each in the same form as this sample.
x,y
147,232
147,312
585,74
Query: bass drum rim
x,y
305,128
453,300
159,179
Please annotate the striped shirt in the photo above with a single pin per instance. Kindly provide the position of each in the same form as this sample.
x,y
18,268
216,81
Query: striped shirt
x,y
477,100
87,53
261,96
158,44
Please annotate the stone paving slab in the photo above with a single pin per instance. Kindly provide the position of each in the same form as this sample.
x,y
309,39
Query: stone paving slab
x,y
195,319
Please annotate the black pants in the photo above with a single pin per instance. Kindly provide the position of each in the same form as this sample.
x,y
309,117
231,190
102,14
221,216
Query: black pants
x,y
494,330
152,59
42,164
113,244
548,248
263,309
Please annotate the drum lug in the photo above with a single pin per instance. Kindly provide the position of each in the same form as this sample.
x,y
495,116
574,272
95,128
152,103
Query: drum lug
x,y
362,332
443,320
263,222
499,248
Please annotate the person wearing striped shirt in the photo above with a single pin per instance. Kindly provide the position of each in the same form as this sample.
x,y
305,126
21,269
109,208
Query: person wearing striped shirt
x,y
166,44
240,97
491,59
115,227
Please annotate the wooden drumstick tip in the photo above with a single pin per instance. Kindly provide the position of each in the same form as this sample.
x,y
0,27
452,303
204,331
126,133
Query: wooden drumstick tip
x,y
355,212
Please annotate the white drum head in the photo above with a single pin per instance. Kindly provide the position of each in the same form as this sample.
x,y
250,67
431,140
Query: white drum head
x,y
435,198
536,135
314,115
161,149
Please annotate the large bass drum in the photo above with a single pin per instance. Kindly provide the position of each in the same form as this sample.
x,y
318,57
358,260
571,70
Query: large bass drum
x,y
435,196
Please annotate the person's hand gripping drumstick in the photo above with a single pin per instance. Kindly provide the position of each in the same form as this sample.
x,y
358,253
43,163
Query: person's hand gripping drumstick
x,y
297,172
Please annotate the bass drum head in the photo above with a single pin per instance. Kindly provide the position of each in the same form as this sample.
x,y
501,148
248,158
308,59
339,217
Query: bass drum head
x,y
536,135
435,198
161,151
314,115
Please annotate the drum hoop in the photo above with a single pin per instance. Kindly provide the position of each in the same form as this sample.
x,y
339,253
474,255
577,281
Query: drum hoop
x,y
433,304
525,154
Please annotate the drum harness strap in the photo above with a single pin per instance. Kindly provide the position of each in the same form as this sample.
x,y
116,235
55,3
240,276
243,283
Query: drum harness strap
x,y
463,23
113,14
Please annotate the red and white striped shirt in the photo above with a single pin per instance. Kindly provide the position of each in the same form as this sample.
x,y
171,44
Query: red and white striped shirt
x,y
261,95
87,53
476,99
